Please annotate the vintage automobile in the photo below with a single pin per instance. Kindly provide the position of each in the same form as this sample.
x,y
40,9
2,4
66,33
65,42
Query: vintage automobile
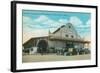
x,y
73,51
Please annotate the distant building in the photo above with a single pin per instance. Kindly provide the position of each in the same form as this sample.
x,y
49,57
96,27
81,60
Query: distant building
x,y
65,37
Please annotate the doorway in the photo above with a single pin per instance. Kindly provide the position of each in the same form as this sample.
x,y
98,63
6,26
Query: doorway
x,y
42,46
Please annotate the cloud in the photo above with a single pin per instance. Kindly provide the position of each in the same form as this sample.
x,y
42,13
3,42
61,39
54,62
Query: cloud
x,y
43,24
83,28
64,21
75,21
79,23
88,22
46,21
43,21
27,20
41,18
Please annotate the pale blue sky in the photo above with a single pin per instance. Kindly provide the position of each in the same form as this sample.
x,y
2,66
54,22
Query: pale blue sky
x,y
49,20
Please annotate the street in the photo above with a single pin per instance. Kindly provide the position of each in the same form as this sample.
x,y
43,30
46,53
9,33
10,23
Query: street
x,y
53,57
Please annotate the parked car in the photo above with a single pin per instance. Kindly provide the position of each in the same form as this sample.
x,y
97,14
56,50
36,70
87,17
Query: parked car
x,y
87,51
84,51
74,52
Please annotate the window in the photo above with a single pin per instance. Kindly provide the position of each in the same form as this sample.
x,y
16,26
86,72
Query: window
x,y
31,49
72,36
66,35
69,26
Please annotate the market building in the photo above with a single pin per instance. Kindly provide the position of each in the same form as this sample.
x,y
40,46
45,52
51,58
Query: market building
x,y
64,38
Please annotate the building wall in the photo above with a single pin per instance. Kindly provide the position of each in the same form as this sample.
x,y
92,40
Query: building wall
x,y
56,44
62,44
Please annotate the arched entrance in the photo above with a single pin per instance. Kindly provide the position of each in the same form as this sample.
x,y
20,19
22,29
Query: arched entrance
x,y
42,46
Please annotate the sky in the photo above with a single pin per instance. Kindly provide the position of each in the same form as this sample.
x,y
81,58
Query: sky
x,y
37,23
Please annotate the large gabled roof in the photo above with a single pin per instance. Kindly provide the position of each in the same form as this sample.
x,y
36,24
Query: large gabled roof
x,y
59,28
68,24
